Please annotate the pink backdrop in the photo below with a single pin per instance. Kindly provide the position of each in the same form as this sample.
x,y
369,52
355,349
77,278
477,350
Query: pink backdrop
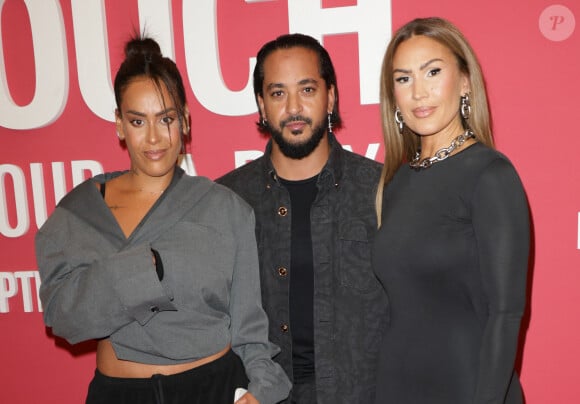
x,y
56,108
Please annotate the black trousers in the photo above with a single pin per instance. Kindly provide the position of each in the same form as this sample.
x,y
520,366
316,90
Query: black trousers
x,y
214,382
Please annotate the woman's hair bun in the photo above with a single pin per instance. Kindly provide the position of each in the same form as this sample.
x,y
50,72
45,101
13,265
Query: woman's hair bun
x,y
145,47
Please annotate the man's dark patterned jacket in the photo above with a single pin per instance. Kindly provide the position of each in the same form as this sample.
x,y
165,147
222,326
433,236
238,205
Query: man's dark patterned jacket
x,y
350,307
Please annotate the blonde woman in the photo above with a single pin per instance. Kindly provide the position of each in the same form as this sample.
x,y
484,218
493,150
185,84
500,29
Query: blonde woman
x,y
452,248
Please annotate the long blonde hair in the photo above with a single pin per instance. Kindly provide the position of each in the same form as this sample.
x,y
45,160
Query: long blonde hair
x,y
402,147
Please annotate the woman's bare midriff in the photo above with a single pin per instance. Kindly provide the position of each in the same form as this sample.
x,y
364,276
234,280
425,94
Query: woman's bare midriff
x,y
109,365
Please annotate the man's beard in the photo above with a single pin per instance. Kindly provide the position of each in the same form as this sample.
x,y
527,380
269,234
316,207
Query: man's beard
x,y
302,149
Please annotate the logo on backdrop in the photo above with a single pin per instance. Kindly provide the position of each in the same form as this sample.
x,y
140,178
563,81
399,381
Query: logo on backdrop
x,y
557,23
20,285
369,19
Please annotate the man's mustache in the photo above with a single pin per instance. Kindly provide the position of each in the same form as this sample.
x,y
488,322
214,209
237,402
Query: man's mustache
x,y
296,118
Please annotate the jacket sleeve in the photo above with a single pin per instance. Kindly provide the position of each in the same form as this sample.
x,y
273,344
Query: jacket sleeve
x,y
501,223
86,298
268,382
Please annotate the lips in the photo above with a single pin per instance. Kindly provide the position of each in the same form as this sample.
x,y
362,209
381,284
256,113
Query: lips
x,y
296,126
154,154
423,112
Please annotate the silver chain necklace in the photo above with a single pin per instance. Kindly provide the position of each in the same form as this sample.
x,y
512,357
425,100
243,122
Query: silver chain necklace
x,y
441,154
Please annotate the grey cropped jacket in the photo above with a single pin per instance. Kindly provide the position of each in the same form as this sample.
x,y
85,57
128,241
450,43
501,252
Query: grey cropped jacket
x,y
96,283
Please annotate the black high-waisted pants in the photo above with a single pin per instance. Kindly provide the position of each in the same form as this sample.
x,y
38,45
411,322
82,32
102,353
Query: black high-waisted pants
x,y
214,382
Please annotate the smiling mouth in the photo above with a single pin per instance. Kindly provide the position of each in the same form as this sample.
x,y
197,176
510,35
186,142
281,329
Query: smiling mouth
x,y
423,112
154,154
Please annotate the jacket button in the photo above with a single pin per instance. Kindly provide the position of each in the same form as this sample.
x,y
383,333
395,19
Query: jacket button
x,y
154,309
282,211
282,271
284,327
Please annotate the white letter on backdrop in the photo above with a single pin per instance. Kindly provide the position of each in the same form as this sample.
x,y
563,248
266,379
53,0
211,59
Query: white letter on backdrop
x,y
38,282
244,156
38,193
92,48
92,52
203,65
185,161
371,152
51,67
79,167
20,202
155,18
25,277
371,19
58,180
8,289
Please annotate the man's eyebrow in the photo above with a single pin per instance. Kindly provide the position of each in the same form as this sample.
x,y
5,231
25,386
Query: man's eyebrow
x,y
308,81
301,83
275,85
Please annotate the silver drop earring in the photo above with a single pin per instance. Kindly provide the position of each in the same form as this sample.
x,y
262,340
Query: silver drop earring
x,y
399,120
465,107
329,122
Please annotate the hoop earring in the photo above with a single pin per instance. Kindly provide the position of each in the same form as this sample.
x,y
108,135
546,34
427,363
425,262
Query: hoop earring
x,y
264,122
329,122
118,135
465,108
399,120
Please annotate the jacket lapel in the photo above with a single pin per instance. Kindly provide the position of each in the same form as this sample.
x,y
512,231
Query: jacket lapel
x,y
179,199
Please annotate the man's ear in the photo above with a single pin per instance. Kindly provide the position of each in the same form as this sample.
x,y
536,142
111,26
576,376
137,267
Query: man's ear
x,y
262,109
331,98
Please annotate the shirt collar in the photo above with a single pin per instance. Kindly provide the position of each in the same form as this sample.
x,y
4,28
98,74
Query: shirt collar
x,y
331,173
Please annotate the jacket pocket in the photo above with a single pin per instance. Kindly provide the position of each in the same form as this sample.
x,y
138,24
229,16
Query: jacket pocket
x,y
355,257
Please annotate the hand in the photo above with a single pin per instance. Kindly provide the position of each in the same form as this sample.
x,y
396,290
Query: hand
x,y
247,398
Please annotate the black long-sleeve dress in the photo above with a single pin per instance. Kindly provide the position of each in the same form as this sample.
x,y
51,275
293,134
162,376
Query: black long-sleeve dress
x,y
452,254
